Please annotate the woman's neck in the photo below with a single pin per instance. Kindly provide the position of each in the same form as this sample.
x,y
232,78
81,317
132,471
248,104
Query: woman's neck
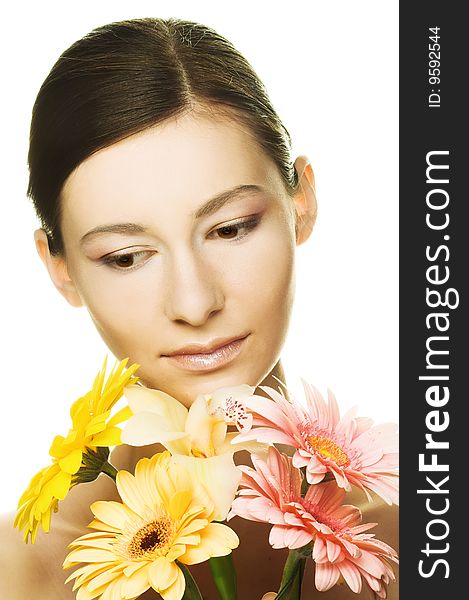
x,y
272,380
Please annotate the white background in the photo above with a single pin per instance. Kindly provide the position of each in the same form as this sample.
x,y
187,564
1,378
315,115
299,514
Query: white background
x,y
331,71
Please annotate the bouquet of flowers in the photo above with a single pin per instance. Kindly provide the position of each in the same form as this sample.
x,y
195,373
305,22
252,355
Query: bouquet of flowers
x,y
176,505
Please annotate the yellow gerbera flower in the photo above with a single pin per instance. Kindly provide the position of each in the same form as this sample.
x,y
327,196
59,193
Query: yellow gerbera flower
x,y
165,516
85,447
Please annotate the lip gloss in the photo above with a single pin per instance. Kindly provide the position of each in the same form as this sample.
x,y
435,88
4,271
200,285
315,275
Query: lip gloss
x,y
212,360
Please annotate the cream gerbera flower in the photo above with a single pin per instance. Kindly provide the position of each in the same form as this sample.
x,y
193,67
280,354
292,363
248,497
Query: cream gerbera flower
x,y
165,517
93,431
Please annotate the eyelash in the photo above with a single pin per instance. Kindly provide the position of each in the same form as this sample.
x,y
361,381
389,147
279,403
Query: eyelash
x,y
247,225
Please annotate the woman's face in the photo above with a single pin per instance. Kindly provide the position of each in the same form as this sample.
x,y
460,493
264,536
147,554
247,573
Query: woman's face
x,y
180,242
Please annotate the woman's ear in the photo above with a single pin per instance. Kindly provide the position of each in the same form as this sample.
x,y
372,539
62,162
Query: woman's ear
x,y
305,200
57,268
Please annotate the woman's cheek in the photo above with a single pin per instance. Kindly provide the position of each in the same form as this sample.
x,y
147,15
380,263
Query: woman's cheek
x,y
271,266
117,305
262,286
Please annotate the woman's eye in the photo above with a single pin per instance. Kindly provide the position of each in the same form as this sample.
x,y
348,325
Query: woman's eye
x,y
228,231
127,261
237,230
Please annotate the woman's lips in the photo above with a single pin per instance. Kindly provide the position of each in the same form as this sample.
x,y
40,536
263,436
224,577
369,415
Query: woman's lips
x,y
208,361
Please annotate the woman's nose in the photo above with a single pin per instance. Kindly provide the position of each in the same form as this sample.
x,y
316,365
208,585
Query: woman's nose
x,y
194,290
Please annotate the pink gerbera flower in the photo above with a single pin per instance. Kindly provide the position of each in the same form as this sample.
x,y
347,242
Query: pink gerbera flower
x,y
354,450
271,493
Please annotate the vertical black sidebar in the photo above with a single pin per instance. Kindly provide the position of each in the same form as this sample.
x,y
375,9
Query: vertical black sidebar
x,y
434,269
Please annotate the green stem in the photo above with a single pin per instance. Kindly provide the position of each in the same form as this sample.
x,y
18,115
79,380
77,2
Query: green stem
x,y
109,470
191,591
295,590
304,483
224,576
292,578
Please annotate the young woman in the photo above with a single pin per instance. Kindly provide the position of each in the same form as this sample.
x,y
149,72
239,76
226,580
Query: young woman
x,y
171,208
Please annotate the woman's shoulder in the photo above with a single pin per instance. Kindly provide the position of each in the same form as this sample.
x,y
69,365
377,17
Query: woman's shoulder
x,y
27,567
24,567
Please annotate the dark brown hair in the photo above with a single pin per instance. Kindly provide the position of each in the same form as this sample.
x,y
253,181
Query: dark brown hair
x,y
125,77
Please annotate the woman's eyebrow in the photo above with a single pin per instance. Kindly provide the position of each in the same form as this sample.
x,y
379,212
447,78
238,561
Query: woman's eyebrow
x,y
123,228
209,208
215,203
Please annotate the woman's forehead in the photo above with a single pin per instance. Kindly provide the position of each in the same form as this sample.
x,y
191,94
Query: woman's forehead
x,y
180,163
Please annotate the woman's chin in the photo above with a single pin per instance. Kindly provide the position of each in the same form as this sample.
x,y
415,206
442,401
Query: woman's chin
x,y
185,386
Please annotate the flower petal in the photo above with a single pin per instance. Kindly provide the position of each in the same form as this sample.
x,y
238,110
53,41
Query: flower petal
x,y
121,415
138,583
180,502
130,492
72,462
57,487
142,399
351,574
200,425
111,436
90,555
215,540
146,428
210,472
326,576
176,590
163,573
112,513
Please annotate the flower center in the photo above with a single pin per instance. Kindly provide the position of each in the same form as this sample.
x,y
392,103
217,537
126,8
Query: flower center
x,y
151,537
336,525
328,449
232,411
198,453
